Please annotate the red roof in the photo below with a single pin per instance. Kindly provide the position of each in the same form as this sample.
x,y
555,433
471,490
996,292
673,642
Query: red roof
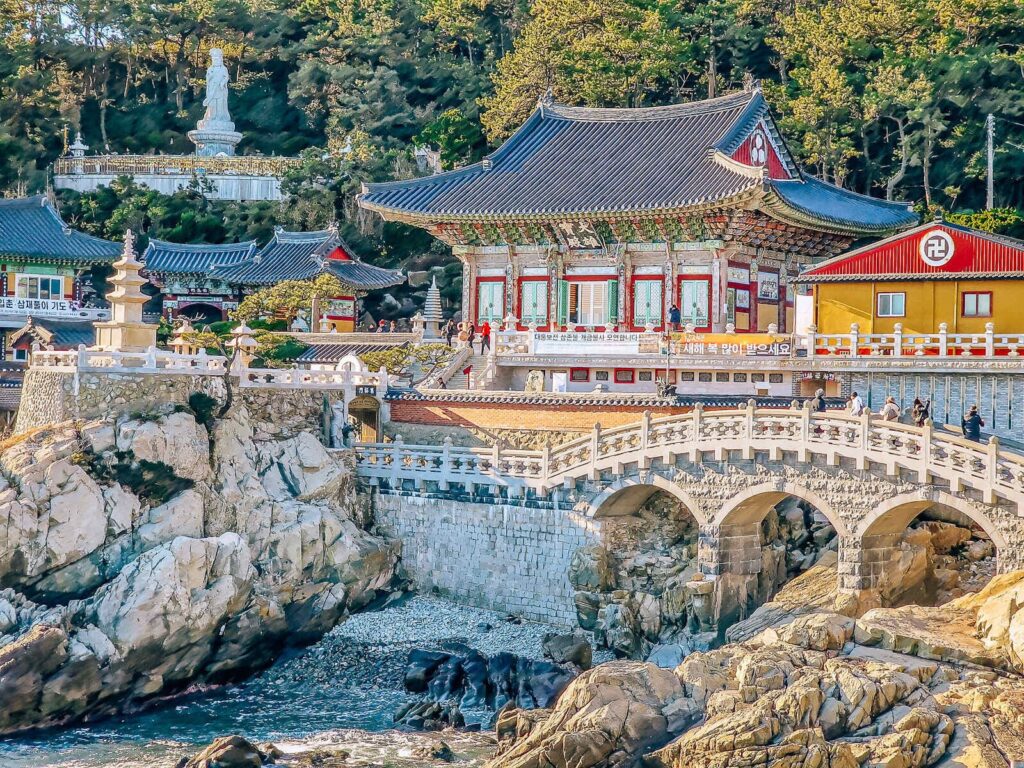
x,y
933,251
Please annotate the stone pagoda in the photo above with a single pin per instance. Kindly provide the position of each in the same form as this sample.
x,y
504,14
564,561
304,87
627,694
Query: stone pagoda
x,y
126,331
432,316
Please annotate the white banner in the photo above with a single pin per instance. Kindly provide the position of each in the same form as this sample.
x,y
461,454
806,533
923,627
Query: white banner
x,y
584,343
38,306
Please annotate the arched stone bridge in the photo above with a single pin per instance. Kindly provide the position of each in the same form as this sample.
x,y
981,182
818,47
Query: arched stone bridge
x,y
868,476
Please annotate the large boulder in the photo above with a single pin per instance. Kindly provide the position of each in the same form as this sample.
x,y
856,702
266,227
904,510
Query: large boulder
x,y
568,649
609,716
176,440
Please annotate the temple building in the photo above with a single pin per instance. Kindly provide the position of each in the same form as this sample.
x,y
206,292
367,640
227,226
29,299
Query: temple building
x,y
48,271
587,226
935,275
214,166
207,281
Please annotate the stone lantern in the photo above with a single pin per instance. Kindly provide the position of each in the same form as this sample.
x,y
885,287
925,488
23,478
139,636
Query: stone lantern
x,y
125,331
244,343
179,343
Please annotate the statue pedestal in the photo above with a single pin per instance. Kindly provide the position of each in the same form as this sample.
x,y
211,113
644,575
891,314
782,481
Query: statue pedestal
x,y
213,141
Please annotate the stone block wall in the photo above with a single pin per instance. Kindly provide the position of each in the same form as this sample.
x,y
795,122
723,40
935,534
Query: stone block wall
x,y
503,557
999,396
49,397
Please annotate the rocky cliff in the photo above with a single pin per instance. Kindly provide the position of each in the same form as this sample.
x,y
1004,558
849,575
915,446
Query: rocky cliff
x,y
143,554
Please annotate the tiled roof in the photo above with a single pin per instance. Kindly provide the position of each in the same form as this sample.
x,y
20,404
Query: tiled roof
x,y
571,161
303,255
62,335
194,258
973,254
332,353
32,230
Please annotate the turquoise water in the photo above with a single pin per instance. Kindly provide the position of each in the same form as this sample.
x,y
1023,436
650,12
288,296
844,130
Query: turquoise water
x,y
262,710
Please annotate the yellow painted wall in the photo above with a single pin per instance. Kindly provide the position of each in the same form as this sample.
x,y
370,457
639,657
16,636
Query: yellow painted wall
x,y
928,303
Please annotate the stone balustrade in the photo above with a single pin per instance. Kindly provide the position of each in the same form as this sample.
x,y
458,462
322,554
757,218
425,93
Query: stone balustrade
x,y
350,377
152,360
930,455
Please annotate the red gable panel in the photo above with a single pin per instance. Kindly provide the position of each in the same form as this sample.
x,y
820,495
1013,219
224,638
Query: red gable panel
x,y
757,150
936,250
339,254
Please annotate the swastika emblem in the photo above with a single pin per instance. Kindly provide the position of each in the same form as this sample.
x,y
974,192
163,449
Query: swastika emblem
x,y
936,248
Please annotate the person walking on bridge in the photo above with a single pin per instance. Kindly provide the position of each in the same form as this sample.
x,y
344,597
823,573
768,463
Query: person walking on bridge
x,y
891,411
818,402
856,405
921,412
972,424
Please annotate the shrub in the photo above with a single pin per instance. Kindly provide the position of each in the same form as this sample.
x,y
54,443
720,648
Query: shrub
x,y
202,407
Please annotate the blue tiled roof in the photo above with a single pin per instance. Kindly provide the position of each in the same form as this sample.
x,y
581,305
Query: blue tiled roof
x,y
565,161
32,230
301,256
819,200
194,258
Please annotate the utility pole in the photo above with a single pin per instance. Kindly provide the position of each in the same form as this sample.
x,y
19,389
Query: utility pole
x,y
990,131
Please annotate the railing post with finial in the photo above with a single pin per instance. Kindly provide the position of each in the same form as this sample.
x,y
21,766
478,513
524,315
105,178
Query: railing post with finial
x,y
992,470
446,464
748,449
854,339
990,340
545,466
643,461
595,443
897,340
926,451
697,416
396,462
495,458
943,339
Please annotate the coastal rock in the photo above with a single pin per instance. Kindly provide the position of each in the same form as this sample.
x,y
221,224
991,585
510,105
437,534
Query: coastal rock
x,y
176,440
228,752
569,649
608,716
143,599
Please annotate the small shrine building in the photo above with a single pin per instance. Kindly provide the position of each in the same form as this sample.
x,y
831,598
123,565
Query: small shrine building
x,y
207,281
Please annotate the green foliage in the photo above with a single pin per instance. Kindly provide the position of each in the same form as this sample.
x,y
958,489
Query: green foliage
x,y
154,482
275,349
1000,221
409,362
287,297
203,407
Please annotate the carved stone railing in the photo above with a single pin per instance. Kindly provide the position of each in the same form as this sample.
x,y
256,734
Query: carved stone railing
x,y
152,360
361,382
173,165
988,343
931,454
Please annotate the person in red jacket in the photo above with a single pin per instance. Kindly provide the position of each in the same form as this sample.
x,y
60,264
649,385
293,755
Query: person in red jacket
x,y
485,336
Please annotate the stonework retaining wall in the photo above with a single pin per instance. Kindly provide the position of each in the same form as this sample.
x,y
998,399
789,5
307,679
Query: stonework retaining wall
x,y
503,557
50,397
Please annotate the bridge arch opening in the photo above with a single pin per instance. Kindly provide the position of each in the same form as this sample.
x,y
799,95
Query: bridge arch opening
x,y
927,549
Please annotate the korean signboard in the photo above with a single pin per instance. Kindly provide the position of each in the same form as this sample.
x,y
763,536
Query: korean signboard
x,y
732,345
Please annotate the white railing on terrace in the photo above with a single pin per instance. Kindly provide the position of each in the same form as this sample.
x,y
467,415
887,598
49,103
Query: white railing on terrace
x,y
297,378
899,344
932,454
152,360
987,343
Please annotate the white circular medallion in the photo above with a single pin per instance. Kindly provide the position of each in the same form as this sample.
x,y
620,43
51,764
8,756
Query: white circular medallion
x,y
936,248
758,149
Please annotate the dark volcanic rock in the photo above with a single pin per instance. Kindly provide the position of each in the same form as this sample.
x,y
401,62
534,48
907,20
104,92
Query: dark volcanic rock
x,y
421,668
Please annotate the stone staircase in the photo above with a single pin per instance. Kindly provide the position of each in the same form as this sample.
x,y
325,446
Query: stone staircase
x,y
459,380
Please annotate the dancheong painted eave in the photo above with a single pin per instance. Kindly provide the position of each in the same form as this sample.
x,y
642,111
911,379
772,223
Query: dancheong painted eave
x,y
605,164
934,251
